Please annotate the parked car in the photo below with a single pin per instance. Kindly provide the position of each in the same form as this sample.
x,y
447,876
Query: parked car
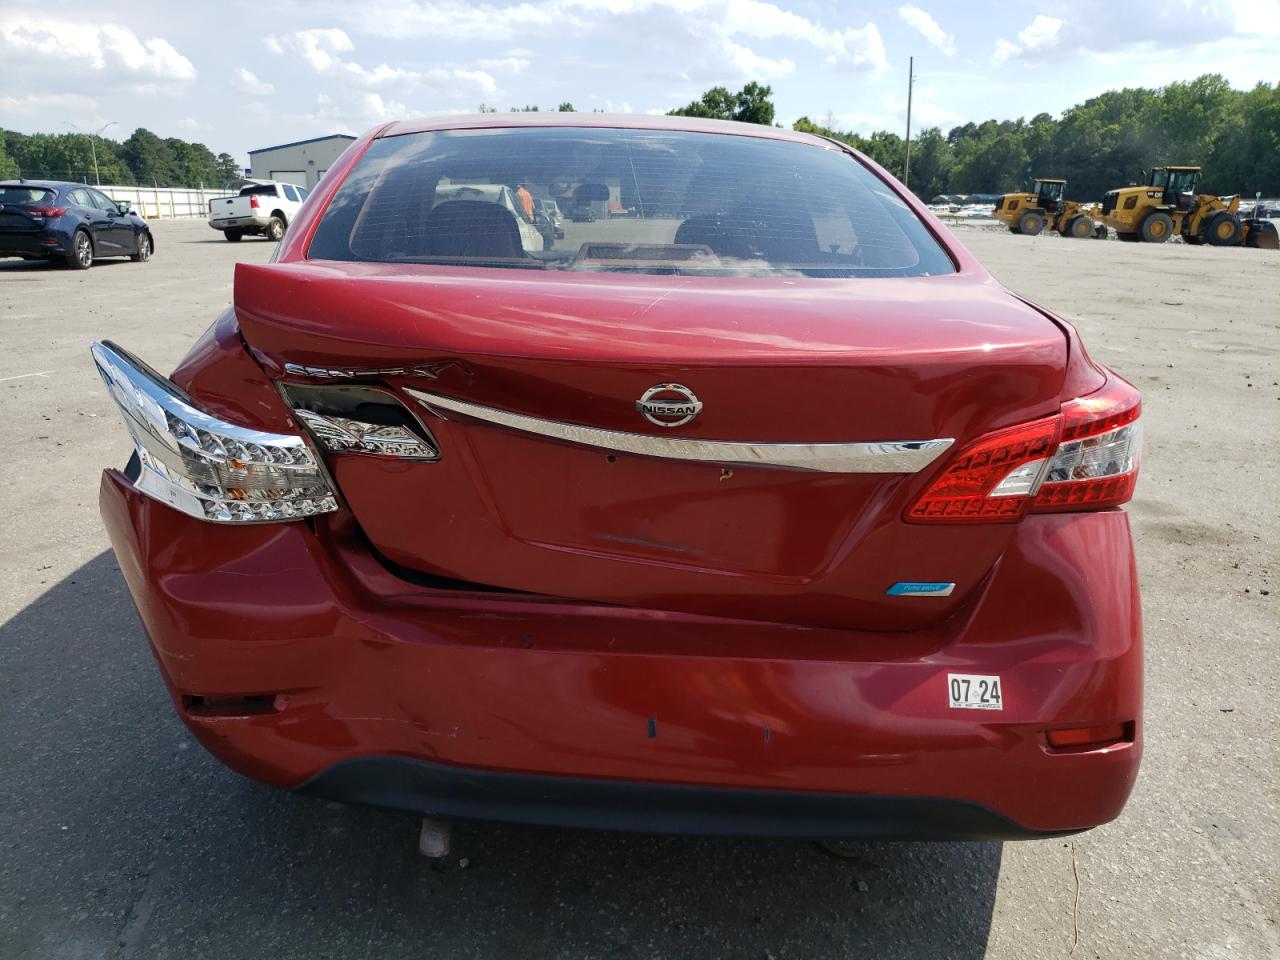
x,y
70,223
261,208
766,511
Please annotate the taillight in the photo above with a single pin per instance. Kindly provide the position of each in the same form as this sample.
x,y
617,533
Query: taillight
x,y
1085,458
50,212
1090,737
253,200
204,466
211,206
1096,463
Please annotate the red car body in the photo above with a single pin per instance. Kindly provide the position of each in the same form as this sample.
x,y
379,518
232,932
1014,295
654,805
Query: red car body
x,y
561,631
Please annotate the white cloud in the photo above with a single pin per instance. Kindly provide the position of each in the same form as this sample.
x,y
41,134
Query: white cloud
x,y
1039,35
1103,31
245,82
712,31
512,64
40,103
925,112
751,64
1040,32
928,28
113,55
1004,51
864,47
322,49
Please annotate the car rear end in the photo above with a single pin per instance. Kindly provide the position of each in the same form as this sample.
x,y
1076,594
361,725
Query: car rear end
x,y
248,212
33,223
753,511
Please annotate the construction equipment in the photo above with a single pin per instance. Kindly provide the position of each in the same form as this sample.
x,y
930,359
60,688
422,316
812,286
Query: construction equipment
x,y
1030,213
1168,205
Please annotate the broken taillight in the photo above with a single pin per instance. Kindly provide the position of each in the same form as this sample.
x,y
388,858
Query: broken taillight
x,y
1084,458
204,466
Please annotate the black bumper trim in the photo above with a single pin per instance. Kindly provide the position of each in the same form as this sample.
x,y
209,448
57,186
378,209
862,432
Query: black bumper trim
x,y
432,789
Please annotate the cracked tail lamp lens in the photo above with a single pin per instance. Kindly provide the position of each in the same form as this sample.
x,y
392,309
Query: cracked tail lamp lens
x,y
345,435
206,467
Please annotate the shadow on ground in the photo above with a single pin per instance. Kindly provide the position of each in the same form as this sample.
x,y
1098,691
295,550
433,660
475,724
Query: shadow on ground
x,y
12,265
247,238
120,837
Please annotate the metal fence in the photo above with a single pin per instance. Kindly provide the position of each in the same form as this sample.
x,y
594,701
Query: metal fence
x,y
166,203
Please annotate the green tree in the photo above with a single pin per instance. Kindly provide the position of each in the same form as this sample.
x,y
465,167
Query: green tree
x,y
1105,142
566,107
887,149
1243,156
716,104
931,163
8,165
227,168
150,158
751,104
143,158
997,166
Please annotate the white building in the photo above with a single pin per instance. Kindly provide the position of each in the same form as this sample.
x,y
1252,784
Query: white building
x,y
302,162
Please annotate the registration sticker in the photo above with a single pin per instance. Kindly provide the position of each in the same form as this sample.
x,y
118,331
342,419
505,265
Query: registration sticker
x,y
974,691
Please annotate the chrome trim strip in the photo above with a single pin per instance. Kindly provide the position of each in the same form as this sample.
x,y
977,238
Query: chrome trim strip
x,y
902,456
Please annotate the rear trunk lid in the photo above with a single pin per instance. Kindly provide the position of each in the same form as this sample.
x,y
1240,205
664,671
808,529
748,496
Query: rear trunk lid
x,y
527,382
226,208
22,219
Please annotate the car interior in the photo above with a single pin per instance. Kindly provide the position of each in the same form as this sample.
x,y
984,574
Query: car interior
x,y
632,200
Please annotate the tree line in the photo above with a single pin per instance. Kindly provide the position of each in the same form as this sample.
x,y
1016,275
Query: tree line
x,y
1105,142
1102,143
142,160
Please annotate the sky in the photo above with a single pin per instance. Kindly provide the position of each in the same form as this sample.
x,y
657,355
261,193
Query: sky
x,y
239,76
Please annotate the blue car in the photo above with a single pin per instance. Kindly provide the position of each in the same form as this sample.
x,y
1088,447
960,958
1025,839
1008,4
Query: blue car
x,y
68,222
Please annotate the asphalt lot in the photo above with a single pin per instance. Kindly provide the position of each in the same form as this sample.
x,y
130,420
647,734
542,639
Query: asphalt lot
x,y
121,838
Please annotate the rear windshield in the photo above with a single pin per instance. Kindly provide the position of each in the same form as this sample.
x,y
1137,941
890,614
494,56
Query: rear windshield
x,y
36,195
640,201
259,188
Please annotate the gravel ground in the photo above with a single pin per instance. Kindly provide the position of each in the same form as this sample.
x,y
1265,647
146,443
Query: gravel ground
x,y
120,838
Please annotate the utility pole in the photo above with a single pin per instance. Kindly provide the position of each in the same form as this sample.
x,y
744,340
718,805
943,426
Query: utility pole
x,y
911,82
93,149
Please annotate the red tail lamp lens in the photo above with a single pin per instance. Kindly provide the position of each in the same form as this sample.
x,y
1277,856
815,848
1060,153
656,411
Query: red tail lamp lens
x,y
1076,737
1085,458
974,486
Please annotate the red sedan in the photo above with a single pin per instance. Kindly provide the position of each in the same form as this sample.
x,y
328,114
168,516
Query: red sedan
x,y
751,505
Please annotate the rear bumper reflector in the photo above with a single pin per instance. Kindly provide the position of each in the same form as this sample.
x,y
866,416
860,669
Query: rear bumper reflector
x,y
899,456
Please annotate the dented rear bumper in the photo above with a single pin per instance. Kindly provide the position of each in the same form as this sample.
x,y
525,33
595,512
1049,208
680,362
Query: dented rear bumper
x,y
298,658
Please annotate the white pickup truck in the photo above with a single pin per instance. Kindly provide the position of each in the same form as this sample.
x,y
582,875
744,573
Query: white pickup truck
x,y
263,207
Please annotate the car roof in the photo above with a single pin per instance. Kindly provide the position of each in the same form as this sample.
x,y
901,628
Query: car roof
x,y
625,121
42,184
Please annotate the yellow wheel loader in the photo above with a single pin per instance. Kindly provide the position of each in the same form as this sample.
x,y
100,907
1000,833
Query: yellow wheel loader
x,y
1168,205
1044,209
